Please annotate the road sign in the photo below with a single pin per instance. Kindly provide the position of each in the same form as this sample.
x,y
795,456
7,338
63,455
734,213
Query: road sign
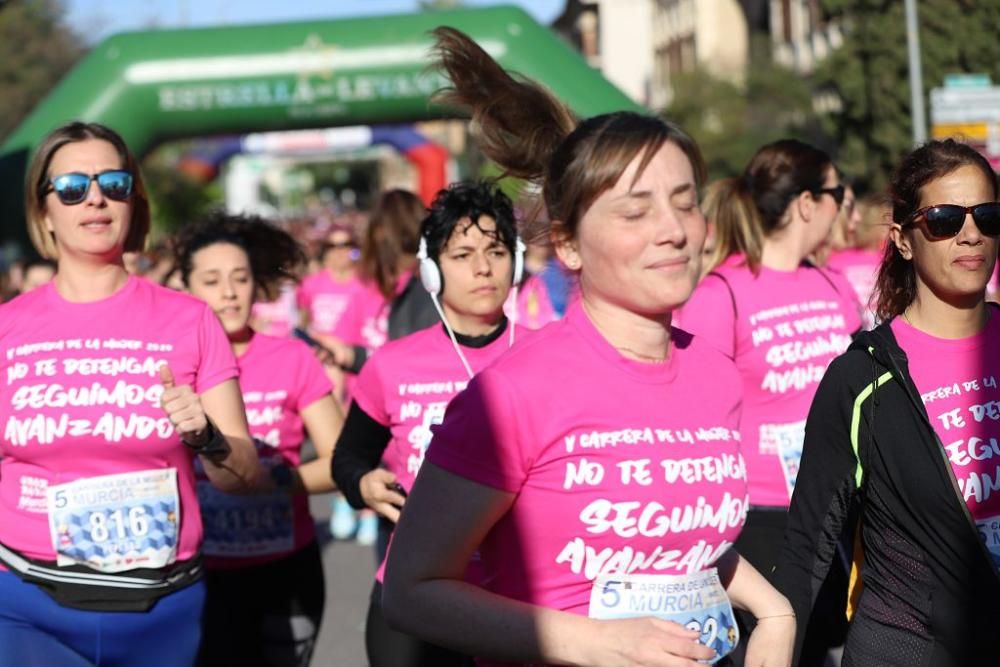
x,y
965,105
969,131
967,81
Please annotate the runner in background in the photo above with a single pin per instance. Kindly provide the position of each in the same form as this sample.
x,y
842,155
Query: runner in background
x,y
900,447
276,317
857,245
265,575
390,304
113,386
470,245
781,319
324,296
531,304
570,462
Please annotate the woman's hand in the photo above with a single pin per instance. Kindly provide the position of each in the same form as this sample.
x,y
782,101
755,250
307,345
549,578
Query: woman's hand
x,y
772,642
333,351
645,642
183,408
378,493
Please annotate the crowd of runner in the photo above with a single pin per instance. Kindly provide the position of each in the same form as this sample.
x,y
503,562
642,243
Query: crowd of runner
x,y
643,420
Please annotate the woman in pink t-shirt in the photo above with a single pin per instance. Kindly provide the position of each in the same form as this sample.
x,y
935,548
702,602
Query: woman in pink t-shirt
x,y
902,447
469,257
324,296
779,317
113,386
858,246
265,575
595,467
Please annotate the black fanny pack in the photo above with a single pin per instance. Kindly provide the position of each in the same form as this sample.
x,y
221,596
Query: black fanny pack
x,y
81,587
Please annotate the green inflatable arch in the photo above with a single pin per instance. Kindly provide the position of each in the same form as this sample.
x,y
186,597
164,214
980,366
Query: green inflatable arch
x,y
168,84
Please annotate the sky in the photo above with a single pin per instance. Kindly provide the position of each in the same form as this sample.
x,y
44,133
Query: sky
x,y
96,19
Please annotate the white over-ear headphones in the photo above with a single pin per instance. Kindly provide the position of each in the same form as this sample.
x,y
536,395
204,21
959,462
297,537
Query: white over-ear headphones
x,y
430,272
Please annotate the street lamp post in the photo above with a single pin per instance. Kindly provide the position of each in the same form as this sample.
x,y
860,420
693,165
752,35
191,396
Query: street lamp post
x,y
918,113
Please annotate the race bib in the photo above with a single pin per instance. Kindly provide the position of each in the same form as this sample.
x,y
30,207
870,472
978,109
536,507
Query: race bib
x,y
242,526
989,531
786,441
118,522
696,601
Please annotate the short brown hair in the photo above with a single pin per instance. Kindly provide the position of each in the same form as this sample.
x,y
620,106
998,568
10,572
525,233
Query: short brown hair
x,y
37,180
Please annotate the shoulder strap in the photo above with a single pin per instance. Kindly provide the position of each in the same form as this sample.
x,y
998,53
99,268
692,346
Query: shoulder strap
x,y
732,299
829,280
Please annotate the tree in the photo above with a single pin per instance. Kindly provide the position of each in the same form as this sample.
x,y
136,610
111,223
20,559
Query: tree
x,y
175,198
730,122
36,49
870,72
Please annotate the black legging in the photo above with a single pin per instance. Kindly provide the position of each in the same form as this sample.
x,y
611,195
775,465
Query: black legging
x,y
390,648
264,615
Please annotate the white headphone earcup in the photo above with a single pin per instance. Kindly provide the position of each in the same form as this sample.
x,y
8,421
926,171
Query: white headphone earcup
x,y
430,274
519,250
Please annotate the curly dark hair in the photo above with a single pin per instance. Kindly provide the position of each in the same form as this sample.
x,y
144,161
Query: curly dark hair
x,y
274,255
468,199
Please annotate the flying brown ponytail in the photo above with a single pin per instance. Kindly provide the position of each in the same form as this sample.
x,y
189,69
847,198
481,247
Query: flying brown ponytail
x,y
534,136
520,123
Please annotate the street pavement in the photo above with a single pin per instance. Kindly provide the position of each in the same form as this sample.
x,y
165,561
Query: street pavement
x,y
350,570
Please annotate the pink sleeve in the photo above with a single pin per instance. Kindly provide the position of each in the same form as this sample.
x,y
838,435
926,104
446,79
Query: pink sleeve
x,y
348,327
710,314
314,383
479,438
303,297
216,362
368,391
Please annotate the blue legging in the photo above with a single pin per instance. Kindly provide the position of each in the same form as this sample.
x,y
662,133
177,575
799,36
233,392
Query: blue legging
x,y
36,631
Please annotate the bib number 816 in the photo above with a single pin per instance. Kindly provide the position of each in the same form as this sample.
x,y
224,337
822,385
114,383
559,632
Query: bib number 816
x,y
135,524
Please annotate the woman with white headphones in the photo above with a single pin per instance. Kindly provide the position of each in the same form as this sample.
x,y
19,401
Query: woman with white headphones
x,y
470,257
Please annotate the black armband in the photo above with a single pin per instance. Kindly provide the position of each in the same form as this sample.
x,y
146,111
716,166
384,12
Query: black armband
x,y
213,443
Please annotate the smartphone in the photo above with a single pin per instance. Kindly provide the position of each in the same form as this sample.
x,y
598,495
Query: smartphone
x,y
398,488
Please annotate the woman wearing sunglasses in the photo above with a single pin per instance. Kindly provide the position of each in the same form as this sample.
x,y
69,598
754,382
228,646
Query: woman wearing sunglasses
x,y
113,386
780,318
901,448
323,296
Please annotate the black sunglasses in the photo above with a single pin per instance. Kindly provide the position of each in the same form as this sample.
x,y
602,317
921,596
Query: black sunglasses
x,y
72,188
944,221
837,192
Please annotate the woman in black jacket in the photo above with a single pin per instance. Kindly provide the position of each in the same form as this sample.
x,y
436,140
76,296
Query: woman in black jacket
x,y
902,447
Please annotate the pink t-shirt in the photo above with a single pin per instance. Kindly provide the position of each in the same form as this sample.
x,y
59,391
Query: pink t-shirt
x,y
860,268
82,401
278,317
617,467
957,380
279,378
366,320
325,299
534,307
786,328
407,385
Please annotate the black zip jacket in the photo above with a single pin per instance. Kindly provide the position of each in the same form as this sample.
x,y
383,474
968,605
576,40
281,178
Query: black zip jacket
x,y
872,466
